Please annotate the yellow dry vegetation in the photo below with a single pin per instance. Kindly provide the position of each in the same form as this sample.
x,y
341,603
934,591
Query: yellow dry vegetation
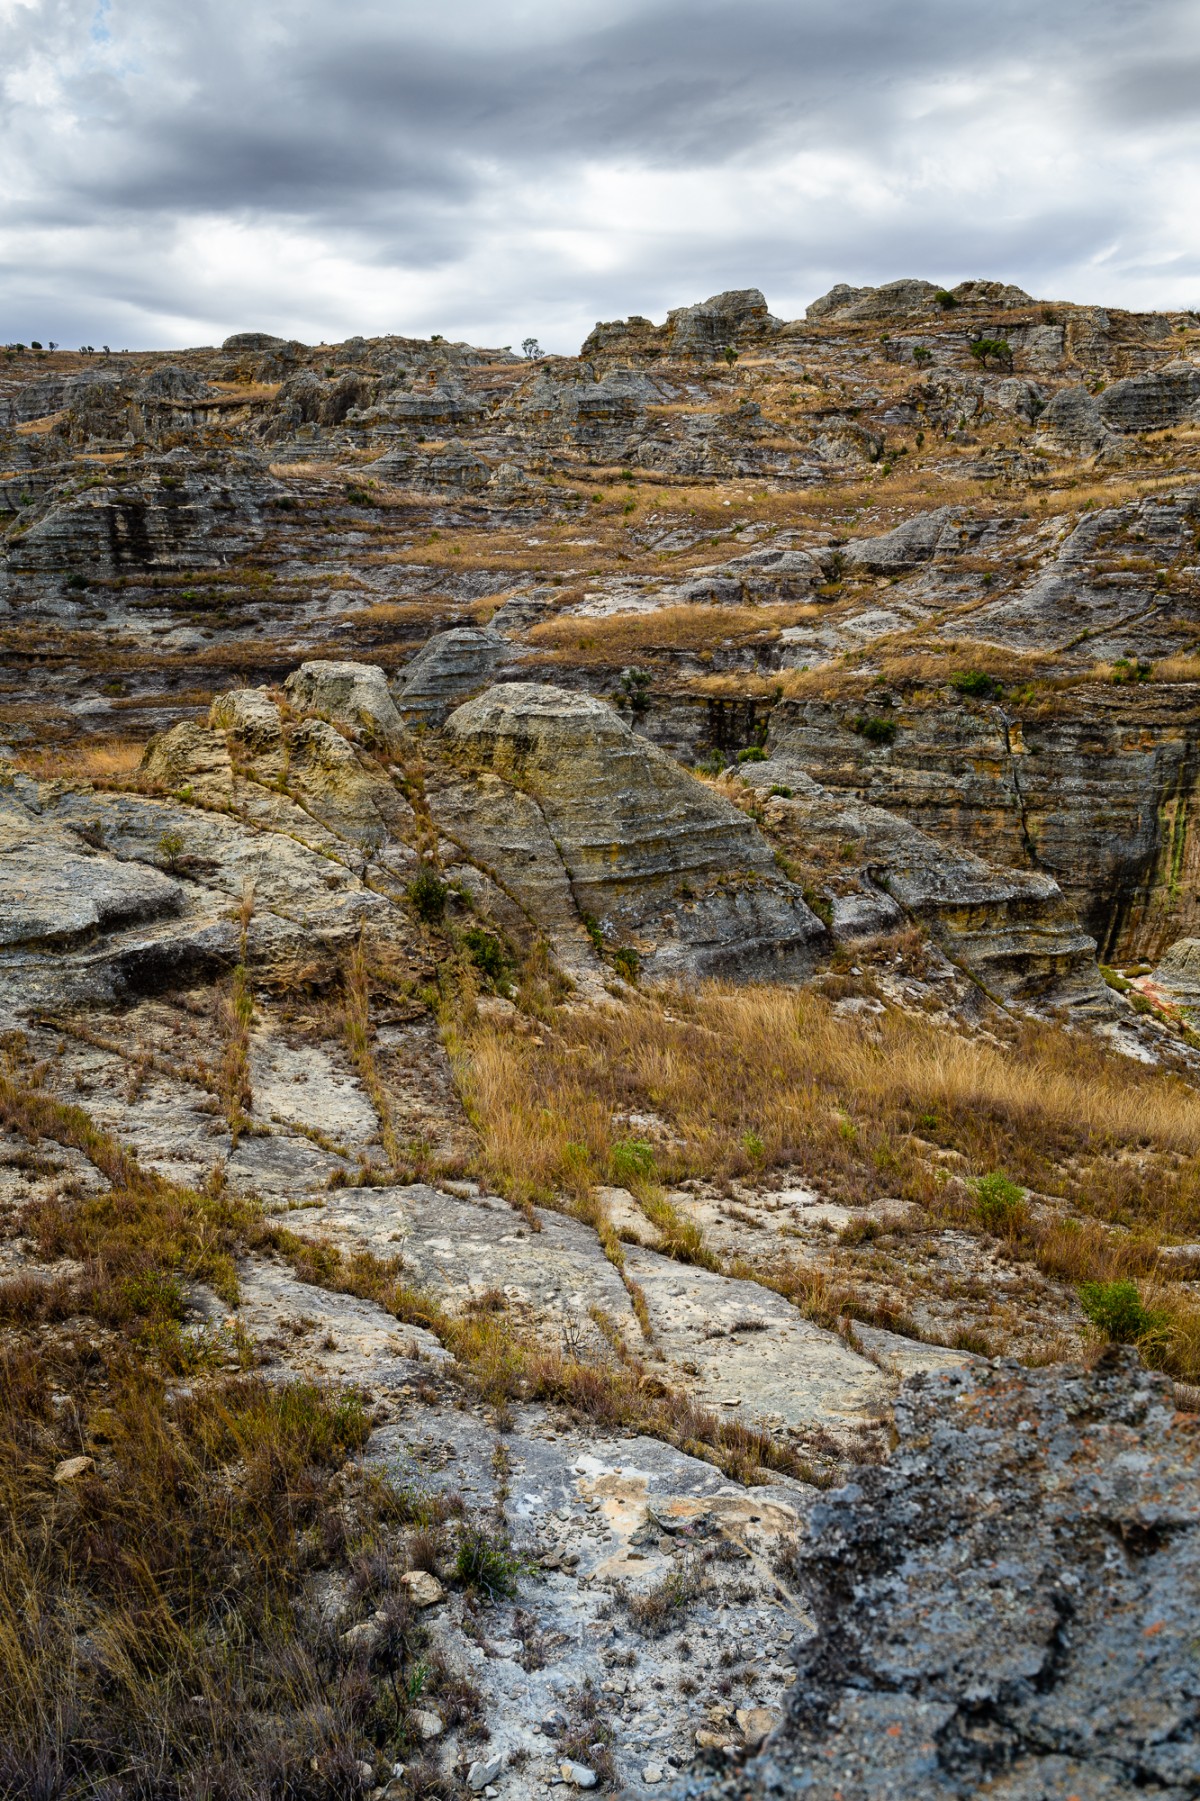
x,y
697,628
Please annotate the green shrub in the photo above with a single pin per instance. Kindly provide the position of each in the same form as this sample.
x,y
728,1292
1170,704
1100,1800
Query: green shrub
x,y
780,790
631,1160
986,350
171,849
999,1203
627,963
922,354
876,731
753,753
427,895
1117,1310
976,683
486,953
945,299
487,1564
1125,670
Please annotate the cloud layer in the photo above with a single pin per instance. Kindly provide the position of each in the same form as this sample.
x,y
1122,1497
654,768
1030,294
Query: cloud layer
x,y
169,174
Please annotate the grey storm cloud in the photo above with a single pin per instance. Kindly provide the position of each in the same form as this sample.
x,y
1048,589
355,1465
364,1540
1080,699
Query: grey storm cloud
x,y
478,168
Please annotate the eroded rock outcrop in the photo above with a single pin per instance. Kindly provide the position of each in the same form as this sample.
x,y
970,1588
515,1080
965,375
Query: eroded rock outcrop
x,y
1012,929
448,667
1007,1606
346,694
658,860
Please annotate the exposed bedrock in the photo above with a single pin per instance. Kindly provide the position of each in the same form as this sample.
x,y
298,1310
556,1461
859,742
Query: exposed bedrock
x,y
448,668
1012,929
655,857
1007,1606
1098,791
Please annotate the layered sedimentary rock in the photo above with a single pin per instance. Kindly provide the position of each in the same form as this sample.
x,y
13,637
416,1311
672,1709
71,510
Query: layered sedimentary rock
x,y
1012,929
448,667
653,856
1098,794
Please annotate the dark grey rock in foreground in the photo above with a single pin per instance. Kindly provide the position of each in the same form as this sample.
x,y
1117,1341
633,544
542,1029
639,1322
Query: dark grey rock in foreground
x,y
1009,1606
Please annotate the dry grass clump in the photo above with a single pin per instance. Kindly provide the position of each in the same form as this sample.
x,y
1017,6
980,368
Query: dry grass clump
x,y
96,760
157,1635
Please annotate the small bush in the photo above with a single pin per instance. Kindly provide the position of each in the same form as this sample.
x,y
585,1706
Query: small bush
x,y
171,849
922,355
977,684
486,953
876,731
487,1565
753,753
778,789
427,895
999,1203
631,1160
987,350
627,963
1117,1310
945,299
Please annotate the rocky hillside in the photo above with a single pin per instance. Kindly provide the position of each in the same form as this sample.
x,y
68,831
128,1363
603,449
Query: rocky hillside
x,y
596,954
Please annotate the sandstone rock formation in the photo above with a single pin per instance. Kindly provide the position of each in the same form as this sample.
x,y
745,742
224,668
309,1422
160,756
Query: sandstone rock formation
x,y
448,667
657,860
1011,928
346,694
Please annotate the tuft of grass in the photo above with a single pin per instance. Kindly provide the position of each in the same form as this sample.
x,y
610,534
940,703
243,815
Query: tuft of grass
x,y
656,1610
486,1563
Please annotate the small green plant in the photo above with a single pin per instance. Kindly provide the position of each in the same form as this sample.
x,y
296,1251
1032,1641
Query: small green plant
x,y
777,788
171,847
730,355
486,953
592,927
75,582
635,689
922,355
875,731
975,683
627,963
631,1160
487,1564
945,299
1126,670
753,1146
999,1204
992,350
712,764
753,753
427,895
1117,1310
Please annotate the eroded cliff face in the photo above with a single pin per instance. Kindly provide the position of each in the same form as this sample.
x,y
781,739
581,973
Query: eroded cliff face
x,y
1095,786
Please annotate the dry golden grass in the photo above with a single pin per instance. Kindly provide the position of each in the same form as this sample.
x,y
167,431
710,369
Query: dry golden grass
x,y
97,760
1182,668
617,637
753,1078
820,1094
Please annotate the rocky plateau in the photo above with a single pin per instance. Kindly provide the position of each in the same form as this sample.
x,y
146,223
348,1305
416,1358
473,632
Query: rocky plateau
x,y
599,1029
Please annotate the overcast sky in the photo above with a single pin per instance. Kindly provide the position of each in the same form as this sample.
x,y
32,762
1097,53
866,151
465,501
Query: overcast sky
x,y
173,170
